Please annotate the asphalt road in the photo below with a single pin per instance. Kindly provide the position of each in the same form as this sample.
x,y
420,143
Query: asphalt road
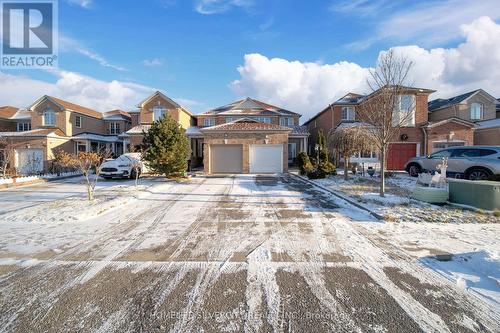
x,y
234,254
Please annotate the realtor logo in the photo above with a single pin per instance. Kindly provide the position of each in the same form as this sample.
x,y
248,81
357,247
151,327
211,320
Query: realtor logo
x,y
29,34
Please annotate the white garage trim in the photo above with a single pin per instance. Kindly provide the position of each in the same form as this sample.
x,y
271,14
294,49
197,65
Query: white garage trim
x,y
226,158
266,158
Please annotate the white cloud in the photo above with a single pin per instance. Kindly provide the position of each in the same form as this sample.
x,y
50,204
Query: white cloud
x,y
155,62
209,7
302,87
87,4
429,23
68,44
308,87
22,91
100,95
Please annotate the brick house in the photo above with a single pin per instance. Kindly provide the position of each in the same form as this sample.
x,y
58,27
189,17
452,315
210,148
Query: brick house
x,y
247,136
51,124
409,142
470,120
148,111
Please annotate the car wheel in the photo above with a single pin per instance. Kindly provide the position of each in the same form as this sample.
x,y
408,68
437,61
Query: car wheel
x,y
478,174
414,170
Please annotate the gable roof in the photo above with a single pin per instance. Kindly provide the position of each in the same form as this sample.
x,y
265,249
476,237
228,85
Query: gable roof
x,y
246,124
443,103
8,111
249,106
450,120
165,97
116,114
68,106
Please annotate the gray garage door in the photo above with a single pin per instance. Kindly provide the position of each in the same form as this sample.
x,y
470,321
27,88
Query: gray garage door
x,y
226,158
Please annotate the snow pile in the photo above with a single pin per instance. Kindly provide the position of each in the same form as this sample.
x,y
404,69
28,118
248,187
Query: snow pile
x,y
478,272
24,179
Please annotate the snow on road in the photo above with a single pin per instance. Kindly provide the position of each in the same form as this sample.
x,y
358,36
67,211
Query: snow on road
x,y
245,253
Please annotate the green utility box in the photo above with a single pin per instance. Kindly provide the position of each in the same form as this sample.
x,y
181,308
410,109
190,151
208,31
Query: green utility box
x,y
478,193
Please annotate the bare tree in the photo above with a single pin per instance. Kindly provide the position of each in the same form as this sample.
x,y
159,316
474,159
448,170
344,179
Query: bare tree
x,y
389,106
7,153
349,140
136,165
87,163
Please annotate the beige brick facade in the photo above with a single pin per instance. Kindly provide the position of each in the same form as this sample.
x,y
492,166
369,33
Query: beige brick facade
x,y
245,139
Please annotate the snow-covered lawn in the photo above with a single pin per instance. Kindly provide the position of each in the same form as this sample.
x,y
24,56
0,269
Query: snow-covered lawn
x,y
52,216
397,205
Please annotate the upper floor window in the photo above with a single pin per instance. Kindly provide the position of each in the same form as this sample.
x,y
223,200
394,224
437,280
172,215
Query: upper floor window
x,y
404,113
78,121
476,111
208,121
286,121
263,119
159,112
114,128
348,113
21,127
230,119
49,117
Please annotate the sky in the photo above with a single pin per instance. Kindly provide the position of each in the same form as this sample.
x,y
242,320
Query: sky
x,y
299,55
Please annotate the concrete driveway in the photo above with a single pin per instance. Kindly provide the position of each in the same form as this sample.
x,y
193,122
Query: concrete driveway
x,y
233,254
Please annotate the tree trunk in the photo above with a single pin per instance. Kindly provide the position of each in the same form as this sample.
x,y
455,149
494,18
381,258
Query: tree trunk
x,y
382,172
346,168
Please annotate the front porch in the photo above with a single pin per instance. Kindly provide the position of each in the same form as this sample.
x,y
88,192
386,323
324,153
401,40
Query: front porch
x,y
87,142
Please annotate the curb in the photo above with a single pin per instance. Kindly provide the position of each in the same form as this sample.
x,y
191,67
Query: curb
x,y
345,198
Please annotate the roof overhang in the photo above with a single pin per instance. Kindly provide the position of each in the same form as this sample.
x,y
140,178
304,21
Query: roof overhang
x,y
450,120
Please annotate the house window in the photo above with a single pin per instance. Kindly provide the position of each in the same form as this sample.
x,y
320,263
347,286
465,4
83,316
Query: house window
x,y
476,111
286,121
159,112
21,127
266,120
209,122
230,119
348,113
78,121
404,114
114,128
49,117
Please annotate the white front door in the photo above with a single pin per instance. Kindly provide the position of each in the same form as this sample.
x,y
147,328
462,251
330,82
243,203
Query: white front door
x,y
29,161
266,158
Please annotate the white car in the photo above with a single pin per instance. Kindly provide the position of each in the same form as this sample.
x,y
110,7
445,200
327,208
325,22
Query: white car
x,y
124,166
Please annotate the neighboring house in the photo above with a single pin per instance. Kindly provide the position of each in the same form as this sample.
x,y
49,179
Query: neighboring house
x,y
247,136
51,124
149,110
13,119
409,142
469,120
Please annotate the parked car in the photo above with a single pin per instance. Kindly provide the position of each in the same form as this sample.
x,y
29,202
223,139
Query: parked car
x,y
125,166
469,162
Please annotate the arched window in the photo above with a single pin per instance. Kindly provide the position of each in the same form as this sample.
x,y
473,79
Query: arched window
x,y
49,117
158,112
476,111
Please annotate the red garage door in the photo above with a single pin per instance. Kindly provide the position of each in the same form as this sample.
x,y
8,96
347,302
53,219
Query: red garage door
x,y
399,154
